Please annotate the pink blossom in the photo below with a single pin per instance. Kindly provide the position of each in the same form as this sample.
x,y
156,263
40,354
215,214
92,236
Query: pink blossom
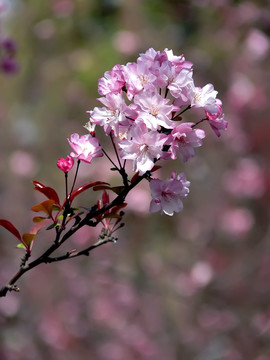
x,y
180,83
65,164
166,194
86,147
178,61
204,98
115,113
112,82
154,110
218,124
138,77
184,139
143,148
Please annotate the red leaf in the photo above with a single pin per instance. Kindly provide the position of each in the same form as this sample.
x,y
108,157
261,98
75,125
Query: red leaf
x,y
135,176
38,226
116,208
155,168
102,187
27,239
11,228
105,197
49,192
45,206
38,219
84,187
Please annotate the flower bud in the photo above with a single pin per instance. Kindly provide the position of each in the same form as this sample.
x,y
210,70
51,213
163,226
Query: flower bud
x,y
65,164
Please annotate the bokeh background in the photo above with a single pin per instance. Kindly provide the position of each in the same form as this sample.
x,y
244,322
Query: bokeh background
x,y
192,287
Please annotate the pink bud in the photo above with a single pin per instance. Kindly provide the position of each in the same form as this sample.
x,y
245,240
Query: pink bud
x,y
65,164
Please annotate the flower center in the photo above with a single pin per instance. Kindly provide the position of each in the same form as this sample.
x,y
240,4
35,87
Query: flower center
x,y
143,148
154,110
143,79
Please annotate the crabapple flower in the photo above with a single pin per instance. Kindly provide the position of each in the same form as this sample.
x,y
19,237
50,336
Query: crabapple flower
x,y
143,148
91,128
115,113
154,110
216,120
86,147
166,194
204,98
184,139
65,164
112,82
138,77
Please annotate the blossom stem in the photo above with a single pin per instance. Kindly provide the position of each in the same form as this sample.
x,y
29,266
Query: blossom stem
x,y
75,177
66,184
115,150
108,157
198,122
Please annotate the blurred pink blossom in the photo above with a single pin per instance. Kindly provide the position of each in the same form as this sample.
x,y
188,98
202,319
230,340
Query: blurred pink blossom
x,y
126,42
63,8
236,222
23,163
246,180
257,44
202,273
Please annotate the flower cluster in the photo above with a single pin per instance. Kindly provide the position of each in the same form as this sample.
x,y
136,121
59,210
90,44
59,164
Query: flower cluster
x,y
143,103
142,106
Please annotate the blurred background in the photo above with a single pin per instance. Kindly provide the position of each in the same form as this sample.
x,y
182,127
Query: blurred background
x,y
195,286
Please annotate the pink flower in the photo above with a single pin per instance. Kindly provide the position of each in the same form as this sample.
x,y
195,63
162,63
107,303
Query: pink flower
x,y
204,98
112,82
180,83
184,139
166,194
154,110
143,147
138,77
218,124
65,164
86,147
115,113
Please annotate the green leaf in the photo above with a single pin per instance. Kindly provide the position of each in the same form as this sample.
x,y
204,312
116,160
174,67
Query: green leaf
x,y
21,246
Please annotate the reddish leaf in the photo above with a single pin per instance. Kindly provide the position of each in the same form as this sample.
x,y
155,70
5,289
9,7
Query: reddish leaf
x,y
38,226
84,187
102,187
11,228
45,206
49,192
116,208
105,197
38,219
113,216
27,239
155,168
117,189
135,176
